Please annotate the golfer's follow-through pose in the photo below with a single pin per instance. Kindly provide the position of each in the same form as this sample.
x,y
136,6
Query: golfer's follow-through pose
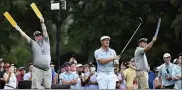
x,y
142,63
106,58
41,57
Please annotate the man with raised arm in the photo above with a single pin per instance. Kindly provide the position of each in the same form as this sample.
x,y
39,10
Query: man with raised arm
x,y
142,63
41,57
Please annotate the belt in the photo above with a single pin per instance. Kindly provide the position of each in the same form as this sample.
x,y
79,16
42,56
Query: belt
x,y
10,86
40,68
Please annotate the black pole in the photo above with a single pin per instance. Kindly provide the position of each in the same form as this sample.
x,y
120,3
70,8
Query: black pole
x,y
58,42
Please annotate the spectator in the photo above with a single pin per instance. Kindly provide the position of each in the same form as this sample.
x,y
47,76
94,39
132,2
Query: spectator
x,y
68,77
21,75
2,71
79,69
92,78
28,76
62,69
14,68
151,77
54,81
156,83
165,72
130,75
73,60
73,67
176,73
9,78
85,75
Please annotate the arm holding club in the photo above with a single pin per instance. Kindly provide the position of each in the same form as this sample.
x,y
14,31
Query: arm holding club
x,y
149,46
44,29
22,33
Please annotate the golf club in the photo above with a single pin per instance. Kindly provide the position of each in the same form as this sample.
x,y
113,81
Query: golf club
x,y
141,21
158,26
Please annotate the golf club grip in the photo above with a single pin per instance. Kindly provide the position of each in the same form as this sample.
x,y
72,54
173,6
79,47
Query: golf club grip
x,y
158,26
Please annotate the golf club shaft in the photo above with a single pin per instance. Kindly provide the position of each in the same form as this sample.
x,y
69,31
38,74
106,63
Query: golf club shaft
x,y
158,26
131,38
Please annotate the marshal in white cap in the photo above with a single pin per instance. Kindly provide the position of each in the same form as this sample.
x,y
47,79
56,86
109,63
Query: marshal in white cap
x,y
104,37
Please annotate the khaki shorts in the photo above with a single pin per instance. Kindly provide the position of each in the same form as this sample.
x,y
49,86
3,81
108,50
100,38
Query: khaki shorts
x,y
40,77
142,77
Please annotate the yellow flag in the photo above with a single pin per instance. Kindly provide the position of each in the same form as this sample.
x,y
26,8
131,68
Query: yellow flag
x,y
10,19
36,10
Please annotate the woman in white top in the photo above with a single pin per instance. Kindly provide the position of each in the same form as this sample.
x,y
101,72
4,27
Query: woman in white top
x,y
9,78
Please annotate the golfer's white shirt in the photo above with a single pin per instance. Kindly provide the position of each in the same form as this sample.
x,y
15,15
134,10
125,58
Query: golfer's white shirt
x,y
105,77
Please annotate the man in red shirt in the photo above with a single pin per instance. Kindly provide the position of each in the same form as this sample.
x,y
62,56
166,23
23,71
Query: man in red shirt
x,y
21,75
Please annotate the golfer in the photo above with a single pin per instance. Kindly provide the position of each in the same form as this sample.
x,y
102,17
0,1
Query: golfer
x,y
105,58
41,57
142,63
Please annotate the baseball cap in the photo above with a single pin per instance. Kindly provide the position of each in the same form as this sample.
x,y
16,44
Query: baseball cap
x,y
104,37
180,54
79,65
166,55
36,33
175,61
7,65
143,40
66,64
1,60
21,68
52,64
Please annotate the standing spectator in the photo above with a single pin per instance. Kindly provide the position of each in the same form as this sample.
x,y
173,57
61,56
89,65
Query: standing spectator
x,y
85,76
28,76
92,81
62,69
54,81
9,78
130,75
73,60
21,75
177,73
73,67
151,77
68,77
105,58
142,63
2,71
165,72
156,83
41,56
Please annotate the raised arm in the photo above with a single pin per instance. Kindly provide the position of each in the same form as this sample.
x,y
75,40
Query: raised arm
x,y
44,29
22,33
149,46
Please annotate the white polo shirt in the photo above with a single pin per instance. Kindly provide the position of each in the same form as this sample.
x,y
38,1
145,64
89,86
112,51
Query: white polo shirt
x,y
100,53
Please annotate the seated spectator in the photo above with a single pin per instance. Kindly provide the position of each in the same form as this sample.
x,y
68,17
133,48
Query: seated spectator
x,y
9,78
68,77
28,76
21,75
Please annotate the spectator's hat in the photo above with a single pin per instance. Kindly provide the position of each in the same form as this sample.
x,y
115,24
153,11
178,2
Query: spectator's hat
x,y
7,65
21,68
1,60
52,64
166,55
104,37
66,64
14,65
79,65
143,40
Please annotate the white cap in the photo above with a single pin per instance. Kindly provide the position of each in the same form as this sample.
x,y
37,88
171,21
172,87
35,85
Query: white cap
x,y
166,55
104,37
175,60
79,65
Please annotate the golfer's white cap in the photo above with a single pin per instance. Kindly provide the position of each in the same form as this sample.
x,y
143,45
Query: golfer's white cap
x,y
104,37
166,55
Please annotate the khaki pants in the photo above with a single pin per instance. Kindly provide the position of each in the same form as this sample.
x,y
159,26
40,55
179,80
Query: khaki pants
x,y
142,77
40,77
